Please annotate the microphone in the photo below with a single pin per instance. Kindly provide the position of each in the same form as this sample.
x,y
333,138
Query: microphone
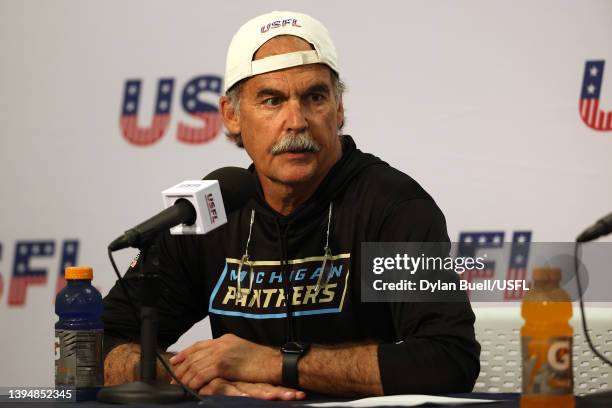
x,y
599,229
194,206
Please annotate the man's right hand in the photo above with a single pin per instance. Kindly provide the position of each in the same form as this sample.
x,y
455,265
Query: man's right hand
x,y
122,365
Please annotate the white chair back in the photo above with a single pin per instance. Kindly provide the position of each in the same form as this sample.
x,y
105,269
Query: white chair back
x,y
498,331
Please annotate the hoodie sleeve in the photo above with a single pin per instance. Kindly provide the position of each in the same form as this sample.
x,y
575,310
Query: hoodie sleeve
x,y
178,305
435,349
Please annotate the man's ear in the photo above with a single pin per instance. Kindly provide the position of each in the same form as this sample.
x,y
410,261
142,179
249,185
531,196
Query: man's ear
x,y
230,116
340,115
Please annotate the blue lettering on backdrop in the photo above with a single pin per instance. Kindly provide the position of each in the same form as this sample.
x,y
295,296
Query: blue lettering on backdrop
x,y
24,274
470,242
191,98
198,101
70,251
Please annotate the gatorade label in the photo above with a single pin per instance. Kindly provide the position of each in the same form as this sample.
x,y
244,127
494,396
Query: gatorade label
x,y
78,358
547,365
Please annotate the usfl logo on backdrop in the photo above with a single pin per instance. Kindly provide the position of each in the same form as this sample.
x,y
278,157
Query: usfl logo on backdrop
x,y
590,112
192,102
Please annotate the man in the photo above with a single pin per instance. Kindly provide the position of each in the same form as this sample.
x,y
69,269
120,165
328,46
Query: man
x,y
281,281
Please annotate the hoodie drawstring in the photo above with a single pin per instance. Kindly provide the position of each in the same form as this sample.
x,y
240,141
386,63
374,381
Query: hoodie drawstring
x,y
245,260
327,255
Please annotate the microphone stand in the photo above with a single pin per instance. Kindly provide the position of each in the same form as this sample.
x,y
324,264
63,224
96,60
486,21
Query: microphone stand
x,y
147,390
600,399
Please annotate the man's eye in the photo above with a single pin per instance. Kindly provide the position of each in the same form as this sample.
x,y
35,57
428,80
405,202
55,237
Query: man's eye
x,y
317,97
272,101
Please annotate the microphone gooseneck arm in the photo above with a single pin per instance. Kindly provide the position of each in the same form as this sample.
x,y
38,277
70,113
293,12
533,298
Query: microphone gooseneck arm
x,y
182,212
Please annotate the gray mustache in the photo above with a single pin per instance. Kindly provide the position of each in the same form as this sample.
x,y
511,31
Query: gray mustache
x,y
295,143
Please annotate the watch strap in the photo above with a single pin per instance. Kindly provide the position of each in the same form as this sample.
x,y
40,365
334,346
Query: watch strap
x,y
290,370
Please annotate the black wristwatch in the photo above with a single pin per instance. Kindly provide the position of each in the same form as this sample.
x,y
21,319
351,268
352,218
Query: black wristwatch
x,y
292,352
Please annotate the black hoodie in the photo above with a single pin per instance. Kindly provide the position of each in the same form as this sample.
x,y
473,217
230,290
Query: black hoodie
x,y
424,347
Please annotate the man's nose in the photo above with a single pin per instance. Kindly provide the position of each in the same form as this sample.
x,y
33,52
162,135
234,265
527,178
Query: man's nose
x,y
296,118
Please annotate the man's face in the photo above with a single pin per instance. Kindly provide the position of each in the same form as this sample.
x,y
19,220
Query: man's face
x,y
278,107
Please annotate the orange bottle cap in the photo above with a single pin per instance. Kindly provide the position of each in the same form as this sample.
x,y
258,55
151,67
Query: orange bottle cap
x,y
547,274
79,272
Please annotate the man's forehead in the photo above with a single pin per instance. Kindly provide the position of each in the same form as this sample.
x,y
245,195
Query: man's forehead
x,y
299,78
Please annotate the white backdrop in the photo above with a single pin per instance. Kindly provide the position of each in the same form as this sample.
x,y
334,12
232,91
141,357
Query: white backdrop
x,y
477,99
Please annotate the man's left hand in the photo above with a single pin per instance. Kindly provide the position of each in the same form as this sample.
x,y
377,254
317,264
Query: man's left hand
x,y
219,386
229,357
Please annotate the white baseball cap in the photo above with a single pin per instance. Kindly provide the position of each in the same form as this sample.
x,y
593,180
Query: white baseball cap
x,y
254,33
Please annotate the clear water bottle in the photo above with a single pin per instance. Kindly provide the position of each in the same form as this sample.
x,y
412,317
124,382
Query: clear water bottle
x,y
78,335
